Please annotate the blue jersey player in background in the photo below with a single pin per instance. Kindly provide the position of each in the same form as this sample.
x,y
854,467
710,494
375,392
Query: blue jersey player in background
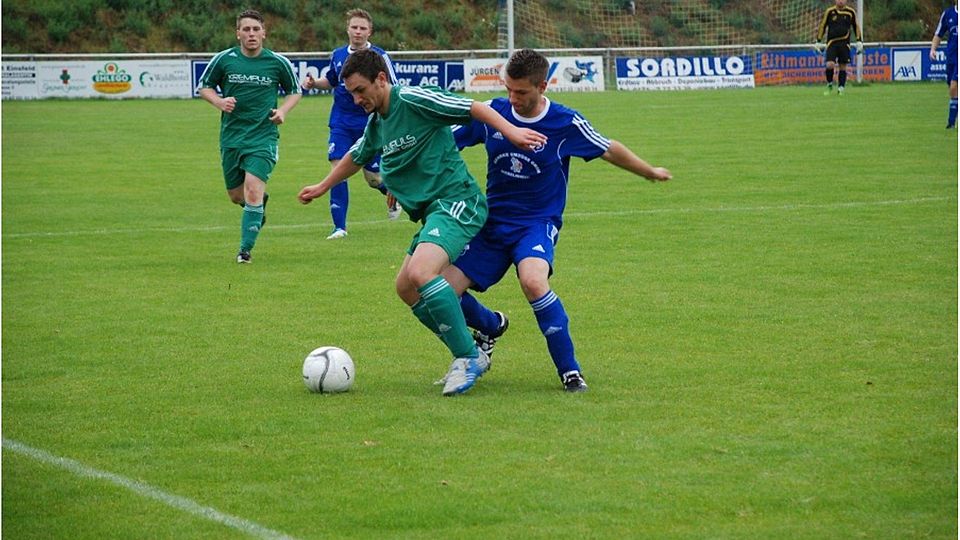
x,y
526,195
947,28
347,119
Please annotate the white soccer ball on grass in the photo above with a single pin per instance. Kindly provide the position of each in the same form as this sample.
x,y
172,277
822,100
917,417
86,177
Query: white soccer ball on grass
x,y
328,370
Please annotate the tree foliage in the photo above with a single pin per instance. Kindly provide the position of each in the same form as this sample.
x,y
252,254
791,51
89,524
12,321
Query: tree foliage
x,y
93,26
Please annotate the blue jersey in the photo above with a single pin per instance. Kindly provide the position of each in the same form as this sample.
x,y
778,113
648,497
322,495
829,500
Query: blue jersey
x,y
345,113
530,186
947,29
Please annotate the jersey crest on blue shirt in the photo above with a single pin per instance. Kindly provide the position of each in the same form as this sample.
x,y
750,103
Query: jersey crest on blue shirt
x,y
530,186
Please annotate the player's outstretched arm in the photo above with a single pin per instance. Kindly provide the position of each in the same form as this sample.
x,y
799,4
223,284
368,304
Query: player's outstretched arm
x,y
344,169
623,157
524,138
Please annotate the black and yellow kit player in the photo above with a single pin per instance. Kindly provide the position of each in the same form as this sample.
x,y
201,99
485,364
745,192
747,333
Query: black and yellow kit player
x,y
839,22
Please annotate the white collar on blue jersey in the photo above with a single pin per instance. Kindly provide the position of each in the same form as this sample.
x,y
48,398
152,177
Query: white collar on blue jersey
x,y
352,50
539,117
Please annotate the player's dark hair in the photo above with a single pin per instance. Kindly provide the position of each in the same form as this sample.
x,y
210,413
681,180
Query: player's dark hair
x,y
250,14
365,62
528,64
360,13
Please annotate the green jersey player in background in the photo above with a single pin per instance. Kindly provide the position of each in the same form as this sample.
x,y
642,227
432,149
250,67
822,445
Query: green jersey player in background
x,y
421,167
248,77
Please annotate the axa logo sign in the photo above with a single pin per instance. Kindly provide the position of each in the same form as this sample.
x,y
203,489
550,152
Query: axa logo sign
x,y
907,65
907,73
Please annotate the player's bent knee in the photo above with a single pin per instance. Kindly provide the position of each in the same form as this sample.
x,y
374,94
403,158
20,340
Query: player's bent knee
x,y
406,290
534,288
418,277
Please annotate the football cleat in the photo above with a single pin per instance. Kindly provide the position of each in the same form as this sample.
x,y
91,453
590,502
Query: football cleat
x,y
573,382
337,233
483,363
243,257
486,343
463,374
394,211
829,90
840,91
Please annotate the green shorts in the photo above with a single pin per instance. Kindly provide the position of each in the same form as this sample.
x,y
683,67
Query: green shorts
x,y
237,162
451,224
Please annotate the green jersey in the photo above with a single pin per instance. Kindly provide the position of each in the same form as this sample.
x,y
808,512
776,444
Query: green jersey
x,y
419,160
253,82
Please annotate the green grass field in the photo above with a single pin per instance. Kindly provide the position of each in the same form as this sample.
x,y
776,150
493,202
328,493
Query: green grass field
x,y
770,338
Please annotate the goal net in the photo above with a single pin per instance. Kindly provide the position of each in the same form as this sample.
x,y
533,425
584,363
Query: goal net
x,y
657,23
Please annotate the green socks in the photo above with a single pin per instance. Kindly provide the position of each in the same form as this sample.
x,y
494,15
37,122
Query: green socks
x,y
250,226
439,310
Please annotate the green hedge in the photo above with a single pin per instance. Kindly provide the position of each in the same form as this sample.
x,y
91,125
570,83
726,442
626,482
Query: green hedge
x,y
50,26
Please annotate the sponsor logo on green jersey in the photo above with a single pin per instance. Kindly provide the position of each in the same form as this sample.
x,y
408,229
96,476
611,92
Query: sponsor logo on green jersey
x,y
398,144
259,80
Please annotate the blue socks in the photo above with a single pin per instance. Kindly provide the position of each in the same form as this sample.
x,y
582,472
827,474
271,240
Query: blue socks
x,y
553,322
479,316
952,118
551,318
339,201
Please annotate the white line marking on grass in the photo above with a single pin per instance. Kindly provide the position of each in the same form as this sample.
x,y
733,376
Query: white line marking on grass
x,y
786,207
639,211
214,228
145,490
101,232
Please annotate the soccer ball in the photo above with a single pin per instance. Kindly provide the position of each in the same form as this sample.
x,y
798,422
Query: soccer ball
x,y
328,369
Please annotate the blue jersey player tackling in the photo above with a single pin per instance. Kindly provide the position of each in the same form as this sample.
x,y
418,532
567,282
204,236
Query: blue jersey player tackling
x,y
947,29
526,195
347,119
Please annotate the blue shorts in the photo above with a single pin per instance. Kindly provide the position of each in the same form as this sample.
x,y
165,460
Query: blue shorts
x,y
487,257
951,70
340,142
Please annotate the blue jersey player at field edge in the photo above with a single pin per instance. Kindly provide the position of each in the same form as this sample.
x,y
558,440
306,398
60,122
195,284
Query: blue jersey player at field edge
x,y
526,196
347,119
947,28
